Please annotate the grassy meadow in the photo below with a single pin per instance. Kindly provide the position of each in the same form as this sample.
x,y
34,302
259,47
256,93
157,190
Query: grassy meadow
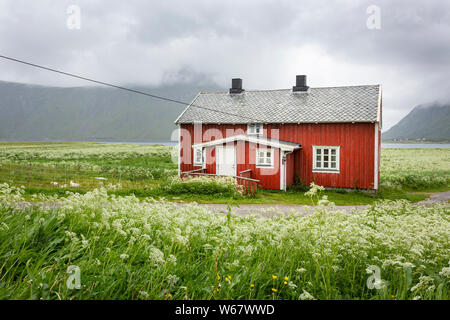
x,y
150,170
119,238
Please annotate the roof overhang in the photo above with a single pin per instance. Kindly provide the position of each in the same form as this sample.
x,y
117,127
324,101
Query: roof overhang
x,y
283,145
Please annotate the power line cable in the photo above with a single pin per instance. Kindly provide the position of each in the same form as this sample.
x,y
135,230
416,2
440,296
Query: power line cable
x,y
125,88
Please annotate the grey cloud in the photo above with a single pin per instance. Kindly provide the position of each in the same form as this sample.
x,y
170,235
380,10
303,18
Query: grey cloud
x,y
151,42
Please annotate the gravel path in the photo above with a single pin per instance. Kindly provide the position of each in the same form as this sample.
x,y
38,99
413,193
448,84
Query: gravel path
x,y
435,197
269,210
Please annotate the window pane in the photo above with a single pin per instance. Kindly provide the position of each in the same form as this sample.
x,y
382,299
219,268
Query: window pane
x,y
333,158
333,164
261,161
318,158
261,154
325,151
319,151
325,158
198,155
268,154
325,164
333,151
268,160
318,165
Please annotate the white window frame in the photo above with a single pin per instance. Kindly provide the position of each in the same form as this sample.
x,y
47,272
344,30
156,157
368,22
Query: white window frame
x,y
322,161
196,163
255,126
265,164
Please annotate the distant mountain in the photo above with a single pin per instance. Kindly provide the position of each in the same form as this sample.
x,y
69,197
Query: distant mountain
x,y
429,122
32,112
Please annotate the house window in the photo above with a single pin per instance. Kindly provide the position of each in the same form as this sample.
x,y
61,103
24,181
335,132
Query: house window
x,y
255,128
198,157
326,158
264,157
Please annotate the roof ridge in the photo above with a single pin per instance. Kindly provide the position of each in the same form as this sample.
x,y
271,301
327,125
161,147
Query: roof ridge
x,y
288,89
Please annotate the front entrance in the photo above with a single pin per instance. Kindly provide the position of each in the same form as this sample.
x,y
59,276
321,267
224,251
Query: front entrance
x,y
226,160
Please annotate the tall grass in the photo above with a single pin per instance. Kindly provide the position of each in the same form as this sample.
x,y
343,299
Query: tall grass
x,y
127,249
416,169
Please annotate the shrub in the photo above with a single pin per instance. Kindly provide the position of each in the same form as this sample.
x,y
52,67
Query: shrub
x,y
223,186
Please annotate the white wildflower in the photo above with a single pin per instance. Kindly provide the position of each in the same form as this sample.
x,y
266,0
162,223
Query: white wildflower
x,y
172,279
306,296
157,257
172,259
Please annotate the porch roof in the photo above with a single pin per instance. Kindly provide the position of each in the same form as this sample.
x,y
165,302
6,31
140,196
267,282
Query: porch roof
x,y
283,145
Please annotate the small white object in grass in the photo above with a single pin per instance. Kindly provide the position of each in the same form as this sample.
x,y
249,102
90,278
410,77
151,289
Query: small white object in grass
x,y
73,184
54,183
100,178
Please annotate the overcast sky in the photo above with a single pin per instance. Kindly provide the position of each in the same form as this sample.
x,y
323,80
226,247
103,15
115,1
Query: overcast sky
x,y
264,42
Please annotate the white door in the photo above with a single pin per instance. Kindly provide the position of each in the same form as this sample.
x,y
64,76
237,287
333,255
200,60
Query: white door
x,y
226,160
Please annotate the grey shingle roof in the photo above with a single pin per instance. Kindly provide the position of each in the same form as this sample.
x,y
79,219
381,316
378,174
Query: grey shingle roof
x,y
331,104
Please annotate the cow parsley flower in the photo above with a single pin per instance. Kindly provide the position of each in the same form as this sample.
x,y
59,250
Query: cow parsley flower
x,y
172,279
445,272
157,257
306,296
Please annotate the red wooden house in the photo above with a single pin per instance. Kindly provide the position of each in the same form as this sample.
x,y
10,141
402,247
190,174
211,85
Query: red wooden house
x,y
328,135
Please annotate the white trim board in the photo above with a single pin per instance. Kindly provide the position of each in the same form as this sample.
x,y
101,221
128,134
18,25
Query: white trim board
x,y
282,168
179,150
375,154
256,140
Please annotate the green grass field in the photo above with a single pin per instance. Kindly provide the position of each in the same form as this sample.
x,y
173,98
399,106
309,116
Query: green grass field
x,y
142,170
416,169
113,239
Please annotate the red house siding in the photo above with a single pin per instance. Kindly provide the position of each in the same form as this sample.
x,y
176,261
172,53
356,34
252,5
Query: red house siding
x,y
357,152
357,146
290,167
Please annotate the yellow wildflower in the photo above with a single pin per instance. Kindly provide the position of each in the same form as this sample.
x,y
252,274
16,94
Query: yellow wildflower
x,y
274,290
274,277
252,286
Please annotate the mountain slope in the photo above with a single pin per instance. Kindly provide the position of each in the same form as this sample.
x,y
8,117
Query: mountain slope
x,y
31,112
430,122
